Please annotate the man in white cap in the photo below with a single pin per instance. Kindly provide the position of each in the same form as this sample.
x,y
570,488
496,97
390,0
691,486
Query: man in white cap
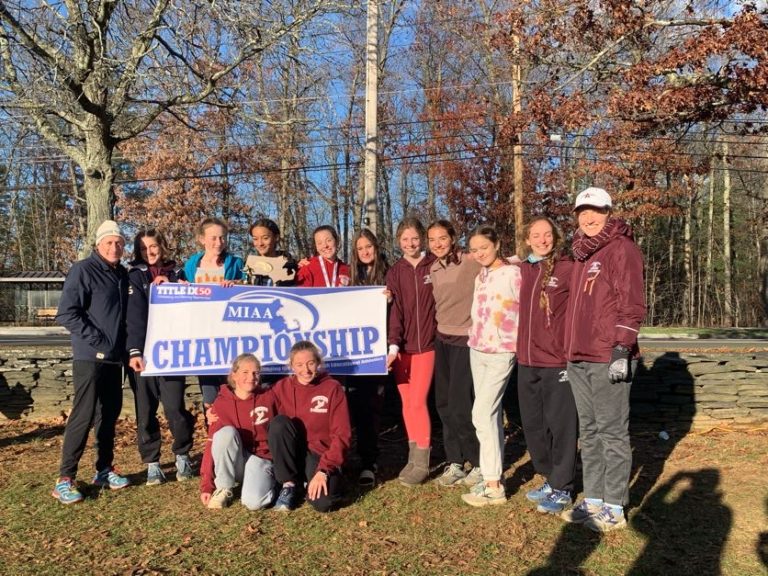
x,y
92,307
605,309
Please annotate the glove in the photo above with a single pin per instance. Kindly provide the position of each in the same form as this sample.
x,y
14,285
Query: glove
x,y
619,366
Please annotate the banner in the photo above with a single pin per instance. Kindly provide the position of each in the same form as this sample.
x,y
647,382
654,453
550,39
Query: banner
x,y
200,328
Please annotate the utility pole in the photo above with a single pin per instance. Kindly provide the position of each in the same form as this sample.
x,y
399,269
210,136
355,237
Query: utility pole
x,y
517,149
370,207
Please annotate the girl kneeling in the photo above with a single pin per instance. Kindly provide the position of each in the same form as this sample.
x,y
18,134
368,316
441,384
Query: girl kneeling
x,y
310,437
237,451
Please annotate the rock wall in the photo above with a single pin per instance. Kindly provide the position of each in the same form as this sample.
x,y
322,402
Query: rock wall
x,y
670,390
36,383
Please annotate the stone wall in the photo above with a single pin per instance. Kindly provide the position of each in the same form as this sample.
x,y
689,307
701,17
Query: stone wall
x,y
36,383
670,391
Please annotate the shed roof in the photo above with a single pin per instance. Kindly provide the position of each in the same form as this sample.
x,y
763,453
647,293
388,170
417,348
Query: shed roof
x,y
33,276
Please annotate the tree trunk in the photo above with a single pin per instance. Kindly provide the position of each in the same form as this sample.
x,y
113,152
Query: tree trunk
x,y
98,179
688,304
727,271
763,255
707,306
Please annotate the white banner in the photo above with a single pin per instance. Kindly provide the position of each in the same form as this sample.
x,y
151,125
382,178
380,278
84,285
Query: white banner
x,y
200,328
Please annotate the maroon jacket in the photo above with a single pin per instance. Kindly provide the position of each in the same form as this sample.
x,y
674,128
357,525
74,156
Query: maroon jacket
x,y
311,275
607,302
412,318
541,337
322,408
251,417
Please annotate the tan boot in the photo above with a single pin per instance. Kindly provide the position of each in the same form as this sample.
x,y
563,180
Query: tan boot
x,y
406,469
420,469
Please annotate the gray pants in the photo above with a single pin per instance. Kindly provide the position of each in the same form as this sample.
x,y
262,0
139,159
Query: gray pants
x,y
233,465
603,409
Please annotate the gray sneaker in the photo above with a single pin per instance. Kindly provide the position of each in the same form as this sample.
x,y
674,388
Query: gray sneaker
x,y
155,474
607,519
474,477
580,513
452,475
184,468
484,495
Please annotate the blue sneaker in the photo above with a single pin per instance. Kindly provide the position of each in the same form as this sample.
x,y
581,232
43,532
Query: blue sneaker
x,y
555,502
286,500
66,491
184,468
155,474
110,479
539,493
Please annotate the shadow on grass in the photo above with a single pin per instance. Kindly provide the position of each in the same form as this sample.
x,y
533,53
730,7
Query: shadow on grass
x,y
572,549
686,523
42,431
668,376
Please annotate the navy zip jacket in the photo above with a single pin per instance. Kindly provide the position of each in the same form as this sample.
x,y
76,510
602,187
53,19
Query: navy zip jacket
x,y
93,307
139,281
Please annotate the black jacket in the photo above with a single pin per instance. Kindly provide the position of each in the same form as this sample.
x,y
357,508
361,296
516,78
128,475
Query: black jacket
x,y
92,307
139,281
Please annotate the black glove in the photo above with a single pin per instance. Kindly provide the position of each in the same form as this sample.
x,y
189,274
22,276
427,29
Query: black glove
x,y
619,367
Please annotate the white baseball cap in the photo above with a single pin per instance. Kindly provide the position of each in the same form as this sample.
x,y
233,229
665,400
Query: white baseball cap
x,y
594,198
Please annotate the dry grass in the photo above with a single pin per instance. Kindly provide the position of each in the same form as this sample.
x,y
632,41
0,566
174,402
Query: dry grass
x,y
699,506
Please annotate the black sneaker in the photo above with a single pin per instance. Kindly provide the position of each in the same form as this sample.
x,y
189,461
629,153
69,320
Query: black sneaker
x,y
286,500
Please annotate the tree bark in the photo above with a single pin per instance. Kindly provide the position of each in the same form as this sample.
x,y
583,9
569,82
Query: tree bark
x,y
727,269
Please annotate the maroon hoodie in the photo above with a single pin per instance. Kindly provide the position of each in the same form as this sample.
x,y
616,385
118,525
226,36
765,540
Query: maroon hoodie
x,y
251,417
607,302
412,318
541,337
322,408
311,275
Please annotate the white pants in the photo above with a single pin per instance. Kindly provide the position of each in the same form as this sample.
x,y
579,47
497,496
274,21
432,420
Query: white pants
x,y
490,373
232,465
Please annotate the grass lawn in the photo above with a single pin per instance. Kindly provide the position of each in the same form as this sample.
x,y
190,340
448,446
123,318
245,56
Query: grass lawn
x,y
699,507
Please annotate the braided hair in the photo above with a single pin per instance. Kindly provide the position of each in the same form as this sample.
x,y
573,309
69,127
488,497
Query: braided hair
x,y
549,261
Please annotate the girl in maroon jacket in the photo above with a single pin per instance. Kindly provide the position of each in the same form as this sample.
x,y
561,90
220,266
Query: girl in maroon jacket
x,y
237,450
605,310
411,341
310,437
546,402
324,269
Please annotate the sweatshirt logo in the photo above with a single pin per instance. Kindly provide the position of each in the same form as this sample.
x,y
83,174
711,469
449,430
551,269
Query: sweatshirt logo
x,y
553,282
427,279
319,405
260,415
592,273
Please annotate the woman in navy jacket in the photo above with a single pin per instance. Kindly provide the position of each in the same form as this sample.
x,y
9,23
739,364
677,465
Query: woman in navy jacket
x,y
152,266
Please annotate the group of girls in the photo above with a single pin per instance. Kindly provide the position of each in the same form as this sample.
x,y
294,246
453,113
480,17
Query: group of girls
x,y
461,318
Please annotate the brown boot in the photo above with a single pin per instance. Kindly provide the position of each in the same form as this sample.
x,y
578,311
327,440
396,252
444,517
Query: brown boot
x,y
406,469
420,469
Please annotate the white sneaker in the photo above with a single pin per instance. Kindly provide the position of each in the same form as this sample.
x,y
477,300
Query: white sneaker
x,y
221,498
484,495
